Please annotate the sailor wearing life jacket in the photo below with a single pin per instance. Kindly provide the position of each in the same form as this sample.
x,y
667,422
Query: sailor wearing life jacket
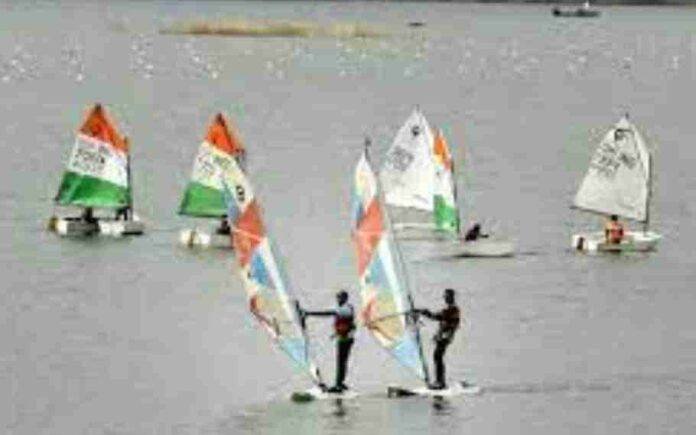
x,y
344,328
614,230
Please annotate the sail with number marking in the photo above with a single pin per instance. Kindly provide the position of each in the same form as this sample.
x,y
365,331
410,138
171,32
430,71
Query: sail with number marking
x,y
407,173
618,179
204,195
271,299
386,300
97,174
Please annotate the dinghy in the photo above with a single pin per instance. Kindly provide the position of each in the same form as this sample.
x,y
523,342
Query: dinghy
x,y
97,176
420,188
386,302
204,194
271,299
618,182
586,11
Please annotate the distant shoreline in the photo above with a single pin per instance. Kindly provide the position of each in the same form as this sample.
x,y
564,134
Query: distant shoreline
x,y
564,3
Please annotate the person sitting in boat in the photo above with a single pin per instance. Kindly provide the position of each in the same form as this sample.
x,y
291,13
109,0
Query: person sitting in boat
x,y
224,228
344,327
474,233
614,230
449,319
122,214
88,216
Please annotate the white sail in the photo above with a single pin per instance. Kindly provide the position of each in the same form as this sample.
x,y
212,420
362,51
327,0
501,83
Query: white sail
x,y
618,179
408,172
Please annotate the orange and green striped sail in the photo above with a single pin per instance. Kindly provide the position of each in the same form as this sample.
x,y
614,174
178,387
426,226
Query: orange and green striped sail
x,y
97,172
205,196
446,214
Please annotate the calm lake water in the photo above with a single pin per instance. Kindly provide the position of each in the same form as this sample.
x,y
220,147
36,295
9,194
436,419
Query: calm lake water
x,y
139,336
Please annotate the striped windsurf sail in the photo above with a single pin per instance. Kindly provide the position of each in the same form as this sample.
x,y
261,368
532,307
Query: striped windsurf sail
x,y
204,195
386,300
97,172
271,300
445,213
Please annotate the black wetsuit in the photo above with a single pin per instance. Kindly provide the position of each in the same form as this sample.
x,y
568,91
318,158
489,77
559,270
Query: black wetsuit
x,y
449,319
344,327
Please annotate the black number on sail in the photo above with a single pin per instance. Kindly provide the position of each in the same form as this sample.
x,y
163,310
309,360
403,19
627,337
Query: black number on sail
x,y
400,159
240,193
606,159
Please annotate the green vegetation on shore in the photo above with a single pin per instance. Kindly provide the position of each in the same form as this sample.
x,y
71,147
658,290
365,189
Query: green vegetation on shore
x,y
269,28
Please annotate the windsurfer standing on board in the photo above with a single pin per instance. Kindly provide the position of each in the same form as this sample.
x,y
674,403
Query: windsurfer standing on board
x,y
449,318
344,327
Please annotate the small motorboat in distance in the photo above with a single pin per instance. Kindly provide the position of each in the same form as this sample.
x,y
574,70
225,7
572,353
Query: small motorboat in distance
x,y
586,11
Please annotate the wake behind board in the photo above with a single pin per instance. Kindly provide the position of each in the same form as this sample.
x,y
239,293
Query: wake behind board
x,y
457,389
316,393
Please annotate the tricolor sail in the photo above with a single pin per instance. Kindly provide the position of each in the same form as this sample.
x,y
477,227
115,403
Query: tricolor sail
x,y
407,173
271,299
418,178
204,195
386,300
618,179
446,213
97,174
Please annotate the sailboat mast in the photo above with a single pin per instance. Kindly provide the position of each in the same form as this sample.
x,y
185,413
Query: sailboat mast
x,y
456,196
129,212
403,273
646,224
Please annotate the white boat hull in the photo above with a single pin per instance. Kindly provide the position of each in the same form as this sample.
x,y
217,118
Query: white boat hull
x,y
487,248
633,241
457,389
120,228
415,231
76,227
193,237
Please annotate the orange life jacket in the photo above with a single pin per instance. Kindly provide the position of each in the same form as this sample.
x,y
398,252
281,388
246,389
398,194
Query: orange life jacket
x,y
615,232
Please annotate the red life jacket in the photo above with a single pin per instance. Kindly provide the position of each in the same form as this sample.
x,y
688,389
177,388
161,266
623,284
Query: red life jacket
x,y
343,321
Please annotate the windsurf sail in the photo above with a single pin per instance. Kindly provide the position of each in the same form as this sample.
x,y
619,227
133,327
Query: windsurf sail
x,y
204,196
407,173
446,213
271,300
97,174
386,301
618,179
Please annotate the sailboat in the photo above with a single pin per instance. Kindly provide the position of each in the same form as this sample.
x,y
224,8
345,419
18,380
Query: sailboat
x,y
387,307
204,195
419,182
97,176
618,182
272,301
586,11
